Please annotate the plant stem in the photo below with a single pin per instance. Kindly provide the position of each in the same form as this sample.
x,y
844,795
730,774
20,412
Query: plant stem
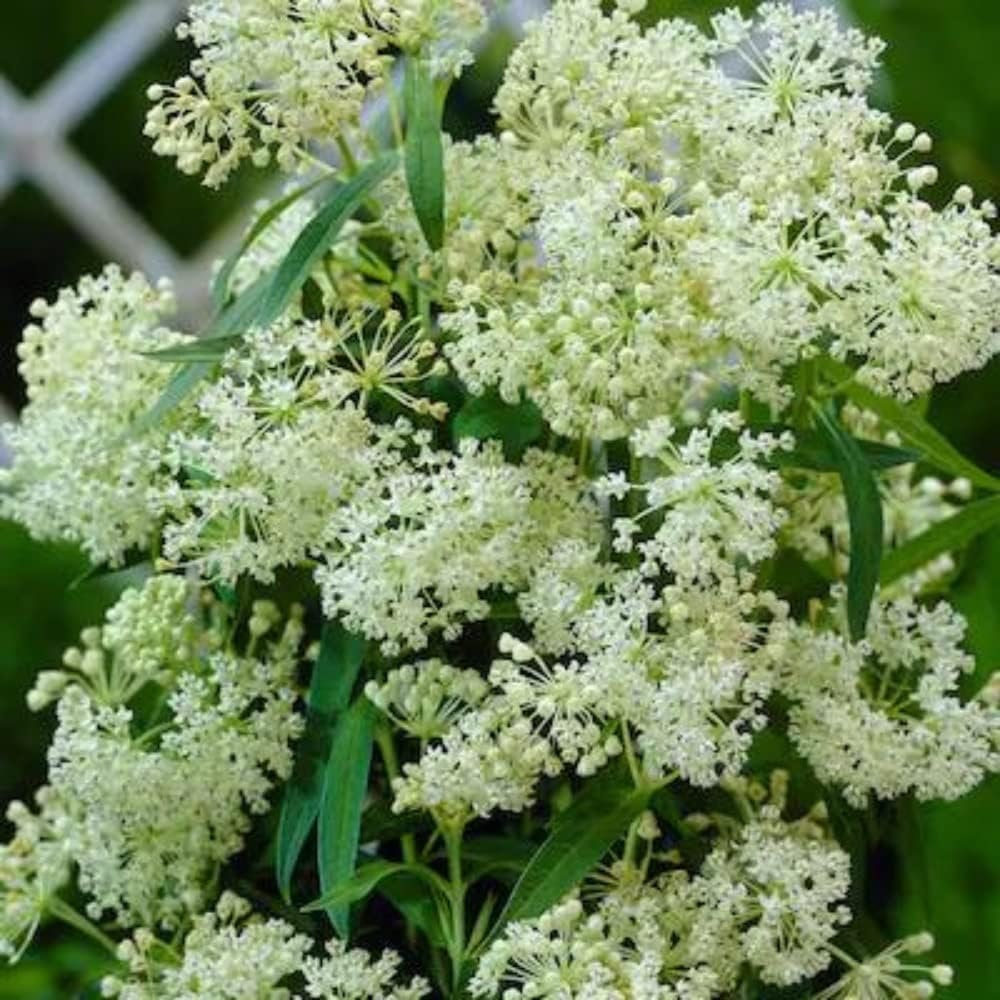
x,y
407,842
61,910
456,943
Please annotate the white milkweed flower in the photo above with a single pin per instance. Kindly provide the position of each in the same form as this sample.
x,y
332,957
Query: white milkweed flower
x,y
771,895
415,550
233,954
227,954
34,866
890,975
79,474
148,634
423,699
920,305
711,514
351,974
270,79
884,715
791,891
151,805
283,439
663,219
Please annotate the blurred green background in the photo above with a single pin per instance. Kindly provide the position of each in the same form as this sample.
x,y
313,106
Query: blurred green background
x,y
941,72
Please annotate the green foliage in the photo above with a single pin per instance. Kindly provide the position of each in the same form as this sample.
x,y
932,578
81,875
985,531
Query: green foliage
x,y
336,670
580,837
489,417
424,153
864,511
344,788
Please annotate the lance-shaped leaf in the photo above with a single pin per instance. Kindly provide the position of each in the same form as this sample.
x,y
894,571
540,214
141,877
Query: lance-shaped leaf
x,y
184,381
424,151
864,514
318,236
585,832
812,451
220,286
199,357
911,427
345,785
365,880
336,670
946,536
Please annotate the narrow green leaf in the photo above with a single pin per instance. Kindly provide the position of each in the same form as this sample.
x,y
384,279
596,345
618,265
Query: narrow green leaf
x,y
220,286
945,536
336,670
864,512
424,151
367,878
185,380
235,319
488,416
813,452
344,787
500,857
913,428
585,832
318,236
203,349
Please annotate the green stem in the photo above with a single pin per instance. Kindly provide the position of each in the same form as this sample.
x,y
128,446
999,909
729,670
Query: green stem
x,y
347,156
61,910
633,763
456,942
407,842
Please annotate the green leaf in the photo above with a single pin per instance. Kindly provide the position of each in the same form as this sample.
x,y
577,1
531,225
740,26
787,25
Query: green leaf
x,y
409,895
424,151
367,877
945,536
202,349
345,785
499,857
336,670
379,822
488,416
912,427
864,512
184,381
812,451
318,236
211,345
220,286
598,817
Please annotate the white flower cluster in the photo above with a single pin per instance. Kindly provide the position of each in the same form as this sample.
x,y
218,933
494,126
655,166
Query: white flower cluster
x,y
416,550
272,79
148,806
78,474
683,670
650,279
662,220
771,896
230,954
884,715
34,867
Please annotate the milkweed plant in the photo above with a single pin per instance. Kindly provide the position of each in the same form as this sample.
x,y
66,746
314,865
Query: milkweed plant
x,y
545,554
